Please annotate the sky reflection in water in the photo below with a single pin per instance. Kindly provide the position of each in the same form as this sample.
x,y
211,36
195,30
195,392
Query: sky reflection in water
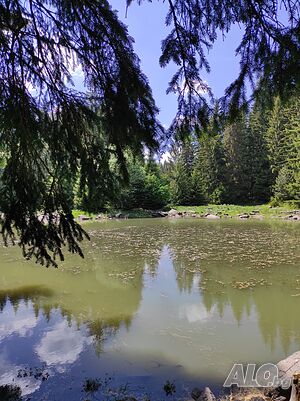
x,y
152,301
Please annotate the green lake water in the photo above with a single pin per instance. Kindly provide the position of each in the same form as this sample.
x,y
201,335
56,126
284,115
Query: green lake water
x,y
153,300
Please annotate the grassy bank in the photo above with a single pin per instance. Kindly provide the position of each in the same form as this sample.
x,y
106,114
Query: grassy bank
x,y
236,210
223,211
113,213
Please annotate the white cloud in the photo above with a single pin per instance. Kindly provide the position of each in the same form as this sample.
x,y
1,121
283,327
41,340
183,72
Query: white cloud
x,y
198,87
193,313
165,157
62,344
76,71
20,323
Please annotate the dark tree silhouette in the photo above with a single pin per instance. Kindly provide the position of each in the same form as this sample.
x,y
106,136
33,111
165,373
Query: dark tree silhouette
x,y
53,133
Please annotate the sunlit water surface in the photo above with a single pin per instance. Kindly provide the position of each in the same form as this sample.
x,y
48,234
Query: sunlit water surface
x,y
153,300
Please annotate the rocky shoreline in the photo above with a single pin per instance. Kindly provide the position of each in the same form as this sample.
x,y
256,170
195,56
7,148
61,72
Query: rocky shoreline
x,y
293,215
287,389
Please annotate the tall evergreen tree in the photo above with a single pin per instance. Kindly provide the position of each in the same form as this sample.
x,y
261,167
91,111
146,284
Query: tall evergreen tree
x,y
146,188
276,137
210,169
239,159
285,157
182,190
51,132
260,171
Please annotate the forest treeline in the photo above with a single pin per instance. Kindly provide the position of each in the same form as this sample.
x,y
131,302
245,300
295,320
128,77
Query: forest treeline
x,y
254,160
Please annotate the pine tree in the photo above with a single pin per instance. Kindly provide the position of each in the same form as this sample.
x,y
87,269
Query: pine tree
x,y
50,131
260,170
286,161
276,137
211,170
237,142
146,188
182,191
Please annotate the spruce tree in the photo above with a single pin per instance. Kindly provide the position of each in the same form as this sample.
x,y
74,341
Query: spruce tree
x,y
51,132
210,169
286,160
260,170
277,140
182,191
237,143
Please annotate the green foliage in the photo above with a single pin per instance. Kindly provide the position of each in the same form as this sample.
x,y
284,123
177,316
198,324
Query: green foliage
x,y
248,161
53,135
283,138
276,137
261,176
183,191
146,189
211,169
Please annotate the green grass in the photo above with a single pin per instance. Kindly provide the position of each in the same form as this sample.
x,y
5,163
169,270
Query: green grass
x,y
265,210
130,214
77,212
234,210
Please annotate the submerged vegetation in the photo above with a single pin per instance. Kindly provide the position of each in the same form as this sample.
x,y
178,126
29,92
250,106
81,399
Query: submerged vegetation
x,y
154,300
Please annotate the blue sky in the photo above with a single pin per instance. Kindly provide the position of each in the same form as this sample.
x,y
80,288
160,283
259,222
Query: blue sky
x,y
146,25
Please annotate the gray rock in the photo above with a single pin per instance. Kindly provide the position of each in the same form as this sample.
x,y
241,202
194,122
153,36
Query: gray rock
x,y
155,214
83,217
244,216
163,214
292,361
258,216
212,216
295,217
287,367
173,213
206,395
